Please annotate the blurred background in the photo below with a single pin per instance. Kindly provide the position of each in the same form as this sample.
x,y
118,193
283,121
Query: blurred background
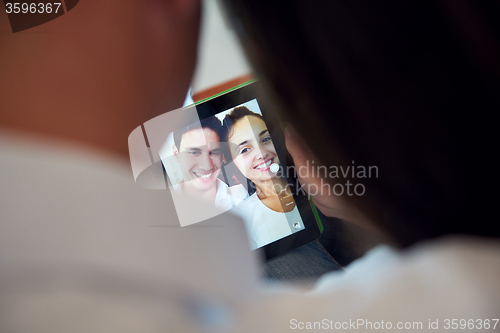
x,y
221,62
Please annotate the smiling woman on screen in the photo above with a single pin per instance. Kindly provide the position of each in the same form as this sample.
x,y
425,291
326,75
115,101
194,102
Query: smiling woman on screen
x,y
270,212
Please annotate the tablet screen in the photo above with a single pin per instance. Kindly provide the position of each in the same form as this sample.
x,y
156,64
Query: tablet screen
x,y
229,159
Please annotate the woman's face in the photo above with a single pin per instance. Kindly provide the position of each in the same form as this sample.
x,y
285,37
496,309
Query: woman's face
x,y
252,150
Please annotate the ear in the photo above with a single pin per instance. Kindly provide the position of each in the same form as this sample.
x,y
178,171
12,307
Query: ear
x,y
176,153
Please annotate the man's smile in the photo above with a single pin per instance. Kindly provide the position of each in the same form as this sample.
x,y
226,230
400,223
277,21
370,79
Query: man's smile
x,y
204,175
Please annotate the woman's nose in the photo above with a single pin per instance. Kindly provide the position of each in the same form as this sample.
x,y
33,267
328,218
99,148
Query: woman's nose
x,y
263,152
259,153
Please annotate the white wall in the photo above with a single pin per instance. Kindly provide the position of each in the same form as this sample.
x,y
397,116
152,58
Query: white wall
x,y
220,57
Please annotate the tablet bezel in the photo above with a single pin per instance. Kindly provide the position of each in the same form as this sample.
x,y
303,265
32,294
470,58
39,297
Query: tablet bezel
x,y
239,95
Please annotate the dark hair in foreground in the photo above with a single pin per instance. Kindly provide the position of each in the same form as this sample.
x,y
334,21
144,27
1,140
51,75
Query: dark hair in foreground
x,y
211,123
407,86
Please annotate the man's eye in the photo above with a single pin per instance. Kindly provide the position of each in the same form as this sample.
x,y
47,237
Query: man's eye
x,y
194,152
215,153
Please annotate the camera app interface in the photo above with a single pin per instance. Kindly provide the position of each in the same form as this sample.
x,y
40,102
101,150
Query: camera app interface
x,y
229,161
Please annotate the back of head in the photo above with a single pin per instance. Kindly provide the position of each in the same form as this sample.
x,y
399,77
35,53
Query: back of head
x,y
96,72
409,87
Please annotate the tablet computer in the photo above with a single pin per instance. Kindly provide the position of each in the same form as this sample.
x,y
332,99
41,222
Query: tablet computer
x,y
234,157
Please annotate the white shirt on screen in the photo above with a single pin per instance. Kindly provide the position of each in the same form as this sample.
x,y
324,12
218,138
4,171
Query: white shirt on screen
x,y
264,225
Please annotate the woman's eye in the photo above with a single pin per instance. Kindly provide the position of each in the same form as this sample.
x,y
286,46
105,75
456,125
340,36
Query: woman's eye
x,y
244,151
266,139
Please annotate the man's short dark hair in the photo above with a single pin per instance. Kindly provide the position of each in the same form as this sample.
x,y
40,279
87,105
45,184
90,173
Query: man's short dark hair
x,y
211,123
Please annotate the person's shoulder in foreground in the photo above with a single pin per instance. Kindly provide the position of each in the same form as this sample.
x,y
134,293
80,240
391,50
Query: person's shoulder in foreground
x,y
431,284
83,249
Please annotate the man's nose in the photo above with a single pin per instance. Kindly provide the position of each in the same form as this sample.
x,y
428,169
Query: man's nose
x,y
206,162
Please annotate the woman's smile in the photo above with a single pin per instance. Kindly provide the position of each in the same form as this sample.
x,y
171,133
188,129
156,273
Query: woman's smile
x,y
264,166
253,151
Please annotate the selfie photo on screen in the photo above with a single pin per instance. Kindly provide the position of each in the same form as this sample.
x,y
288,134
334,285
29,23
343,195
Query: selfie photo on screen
x,y
270,211
229,160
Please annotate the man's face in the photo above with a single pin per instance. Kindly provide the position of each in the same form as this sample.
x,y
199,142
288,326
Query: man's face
x,y
200,158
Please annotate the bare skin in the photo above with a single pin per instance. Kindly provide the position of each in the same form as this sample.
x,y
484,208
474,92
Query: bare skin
x,y
94,74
